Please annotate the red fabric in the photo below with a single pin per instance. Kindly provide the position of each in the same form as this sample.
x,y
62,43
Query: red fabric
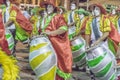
x,y
52,2
114,35
23,22
61,44
58,77
1,1
3,41
83,27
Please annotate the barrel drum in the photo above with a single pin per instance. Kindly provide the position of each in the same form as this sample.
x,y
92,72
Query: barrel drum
x,y
42,58
101,64
71,32
78,51
10,40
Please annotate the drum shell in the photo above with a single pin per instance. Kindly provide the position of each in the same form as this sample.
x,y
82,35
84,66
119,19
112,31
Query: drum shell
x,y
101,63
71,32
45,57
78,51
10,40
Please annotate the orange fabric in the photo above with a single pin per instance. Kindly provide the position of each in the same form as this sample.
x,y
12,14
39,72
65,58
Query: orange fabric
x,y
61,44
23,22
3,41
83,27
114,35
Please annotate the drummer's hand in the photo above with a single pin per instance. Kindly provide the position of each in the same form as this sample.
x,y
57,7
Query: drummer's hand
x,y
95,43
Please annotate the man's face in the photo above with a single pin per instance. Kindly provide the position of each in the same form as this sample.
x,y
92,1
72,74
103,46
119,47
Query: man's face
x,y
113,12
96,11
81,16
73,6
8,2
61,11
50,9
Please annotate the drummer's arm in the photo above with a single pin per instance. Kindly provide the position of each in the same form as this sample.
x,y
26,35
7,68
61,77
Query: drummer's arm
x,y
87,38
103,37
8,23
59,31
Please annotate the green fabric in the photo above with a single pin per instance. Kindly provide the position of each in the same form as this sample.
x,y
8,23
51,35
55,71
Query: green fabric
x,y
8,36
63,28
82,11
79,57
104,71
2,6
96,61
77,47
63,75
48,21
111,46
71,35
35,10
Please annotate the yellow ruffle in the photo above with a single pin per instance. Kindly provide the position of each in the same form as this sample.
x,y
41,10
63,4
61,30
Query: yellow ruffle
x,y
9,66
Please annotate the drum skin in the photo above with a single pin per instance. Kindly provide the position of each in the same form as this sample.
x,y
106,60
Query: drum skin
x,y
78,51
101,64
42,58
10,40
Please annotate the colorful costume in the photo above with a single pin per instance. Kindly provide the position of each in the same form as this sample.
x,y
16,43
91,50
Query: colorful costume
x,y
23,26
72,17
10,69
60,43
81,23
35,20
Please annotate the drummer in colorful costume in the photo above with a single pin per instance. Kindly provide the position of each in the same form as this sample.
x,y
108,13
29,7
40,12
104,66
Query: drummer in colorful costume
x,y
22,24
81,23
72,18
100,58
7,62
56,29
35,20
101,29
63,12
114,18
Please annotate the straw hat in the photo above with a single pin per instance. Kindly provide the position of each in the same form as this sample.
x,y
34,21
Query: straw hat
x,y
51,2
102,9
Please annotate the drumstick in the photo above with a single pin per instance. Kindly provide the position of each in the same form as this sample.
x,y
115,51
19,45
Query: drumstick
x,y
82,31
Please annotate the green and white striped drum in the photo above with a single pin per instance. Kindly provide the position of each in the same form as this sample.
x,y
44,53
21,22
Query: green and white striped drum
x,y
10,39
71,32
101,63
42,58
78,51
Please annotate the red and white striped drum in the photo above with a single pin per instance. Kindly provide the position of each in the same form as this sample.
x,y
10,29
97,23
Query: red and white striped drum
x,y
43,58
101,63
